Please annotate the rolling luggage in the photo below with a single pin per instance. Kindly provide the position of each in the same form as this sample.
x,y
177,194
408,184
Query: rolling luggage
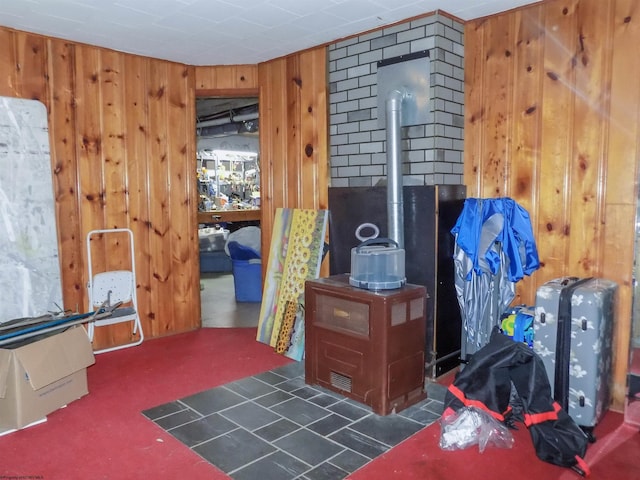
x,y
573,328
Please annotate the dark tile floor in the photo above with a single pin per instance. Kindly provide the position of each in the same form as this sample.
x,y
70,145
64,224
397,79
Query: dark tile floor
x,y
273,426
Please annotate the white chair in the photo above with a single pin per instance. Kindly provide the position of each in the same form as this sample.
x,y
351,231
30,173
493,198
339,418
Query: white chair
x,y
116,287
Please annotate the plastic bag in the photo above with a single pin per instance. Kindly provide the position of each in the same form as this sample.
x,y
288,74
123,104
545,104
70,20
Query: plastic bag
x,y
470,426
247,237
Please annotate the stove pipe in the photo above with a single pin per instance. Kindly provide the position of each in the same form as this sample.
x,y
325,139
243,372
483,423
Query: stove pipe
x,y
395,206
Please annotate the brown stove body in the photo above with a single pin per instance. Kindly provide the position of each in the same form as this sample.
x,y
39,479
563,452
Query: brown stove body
x,y
366,345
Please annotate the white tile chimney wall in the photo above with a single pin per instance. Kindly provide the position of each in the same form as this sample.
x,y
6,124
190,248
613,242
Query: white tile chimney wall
x,y
432,153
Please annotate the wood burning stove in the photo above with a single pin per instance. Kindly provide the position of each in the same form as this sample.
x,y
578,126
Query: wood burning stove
x,y
366,345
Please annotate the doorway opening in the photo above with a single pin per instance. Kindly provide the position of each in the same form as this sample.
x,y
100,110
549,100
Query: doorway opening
x,y
228,172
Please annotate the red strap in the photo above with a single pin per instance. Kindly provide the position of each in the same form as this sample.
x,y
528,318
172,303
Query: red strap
x,y
535,418
583,466
468,402
448,411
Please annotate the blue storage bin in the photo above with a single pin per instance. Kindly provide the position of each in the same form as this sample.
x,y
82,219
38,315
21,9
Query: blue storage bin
x,y
247,280
217,262
247,272
241,252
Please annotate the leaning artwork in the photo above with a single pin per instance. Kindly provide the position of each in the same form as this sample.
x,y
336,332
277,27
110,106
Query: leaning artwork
x,y
295,256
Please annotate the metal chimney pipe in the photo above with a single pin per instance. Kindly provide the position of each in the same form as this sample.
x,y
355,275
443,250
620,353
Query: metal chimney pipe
x,y
395,205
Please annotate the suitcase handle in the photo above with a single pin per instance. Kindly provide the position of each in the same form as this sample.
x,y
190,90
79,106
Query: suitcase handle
x,y
563,340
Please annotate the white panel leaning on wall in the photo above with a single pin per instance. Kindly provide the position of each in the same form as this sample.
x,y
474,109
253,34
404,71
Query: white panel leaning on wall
x,y
30,283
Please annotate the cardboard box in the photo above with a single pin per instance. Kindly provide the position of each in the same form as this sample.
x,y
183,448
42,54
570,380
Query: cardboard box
x,y
40,377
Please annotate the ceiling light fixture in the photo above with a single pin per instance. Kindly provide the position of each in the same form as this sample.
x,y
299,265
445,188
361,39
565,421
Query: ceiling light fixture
x,y
237,155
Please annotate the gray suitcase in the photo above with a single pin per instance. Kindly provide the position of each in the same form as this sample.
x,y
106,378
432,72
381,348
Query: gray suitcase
x,y
573,328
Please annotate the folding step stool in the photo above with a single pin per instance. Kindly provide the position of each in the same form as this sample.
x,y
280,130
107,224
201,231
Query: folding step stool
x,y
111,287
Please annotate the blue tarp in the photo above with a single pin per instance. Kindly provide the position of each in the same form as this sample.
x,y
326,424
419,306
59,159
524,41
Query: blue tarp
x,y
494,249
475,236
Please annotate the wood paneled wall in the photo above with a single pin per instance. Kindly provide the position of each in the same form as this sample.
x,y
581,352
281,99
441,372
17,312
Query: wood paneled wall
x,y
227,80
122,134
292,96
552,103
293,136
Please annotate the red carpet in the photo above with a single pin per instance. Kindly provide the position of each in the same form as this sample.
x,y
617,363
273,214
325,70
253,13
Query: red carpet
x,y
615,455
105,436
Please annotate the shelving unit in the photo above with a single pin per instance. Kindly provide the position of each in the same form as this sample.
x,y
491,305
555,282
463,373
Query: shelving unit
x,y
228,172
